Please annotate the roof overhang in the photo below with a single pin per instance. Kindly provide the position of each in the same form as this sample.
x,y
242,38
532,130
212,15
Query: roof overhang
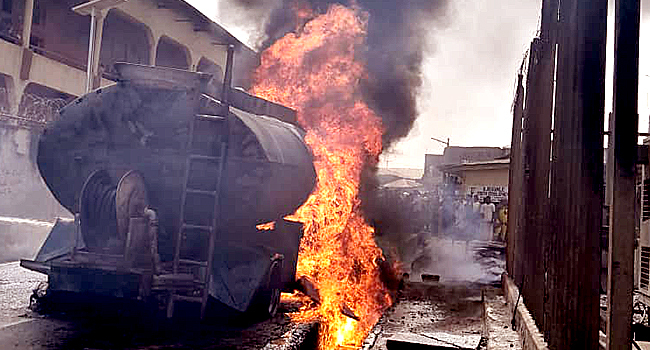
x,y
498,164
86,8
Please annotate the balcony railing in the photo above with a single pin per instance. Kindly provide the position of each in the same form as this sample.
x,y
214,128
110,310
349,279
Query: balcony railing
x,y
9,31
59,57
33,108
4,100
39,108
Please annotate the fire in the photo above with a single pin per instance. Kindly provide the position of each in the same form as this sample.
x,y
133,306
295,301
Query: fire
x,y
317,71
268,226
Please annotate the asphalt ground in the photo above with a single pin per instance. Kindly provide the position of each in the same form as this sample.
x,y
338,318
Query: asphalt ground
x,y
113,324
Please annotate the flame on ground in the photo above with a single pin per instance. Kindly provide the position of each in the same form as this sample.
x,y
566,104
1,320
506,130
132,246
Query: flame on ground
x,y
317,72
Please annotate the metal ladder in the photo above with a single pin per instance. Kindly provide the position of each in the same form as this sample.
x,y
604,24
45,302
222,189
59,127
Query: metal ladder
x,y
214,193
186,228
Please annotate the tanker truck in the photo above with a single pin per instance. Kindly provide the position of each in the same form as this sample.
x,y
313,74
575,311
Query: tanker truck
x,y
179,195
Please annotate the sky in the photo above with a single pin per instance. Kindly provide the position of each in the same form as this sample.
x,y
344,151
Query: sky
x,y
469,72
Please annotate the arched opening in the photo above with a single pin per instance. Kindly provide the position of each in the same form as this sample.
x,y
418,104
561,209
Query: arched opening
x,y
171,54
5,85
41,103
59,33
214,85
123,40
9,27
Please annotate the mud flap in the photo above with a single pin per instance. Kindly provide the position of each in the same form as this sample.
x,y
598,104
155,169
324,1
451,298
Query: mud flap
x,y
60,241
237,274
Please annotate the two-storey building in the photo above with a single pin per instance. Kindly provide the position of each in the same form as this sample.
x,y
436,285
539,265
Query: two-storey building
x,y
44,46
45,50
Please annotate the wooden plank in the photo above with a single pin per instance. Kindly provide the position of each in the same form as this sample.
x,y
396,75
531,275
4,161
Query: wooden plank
x,y
577,177
521,264
514,180
549,34
537,151
26,63
625,123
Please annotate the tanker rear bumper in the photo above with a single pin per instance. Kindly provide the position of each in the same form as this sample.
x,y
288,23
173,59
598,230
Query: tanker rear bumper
x,y
93,279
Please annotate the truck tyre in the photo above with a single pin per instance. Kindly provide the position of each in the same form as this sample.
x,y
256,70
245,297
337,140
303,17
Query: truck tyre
x,y
267,299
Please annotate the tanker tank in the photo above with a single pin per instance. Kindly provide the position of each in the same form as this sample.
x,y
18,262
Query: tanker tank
x,y
209,169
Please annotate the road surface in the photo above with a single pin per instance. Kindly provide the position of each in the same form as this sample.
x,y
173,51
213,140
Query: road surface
x,y
114,326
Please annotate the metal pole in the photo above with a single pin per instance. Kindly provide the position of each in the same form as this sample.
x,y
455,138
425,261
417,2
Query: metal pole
x,y
99,29
227,79
443,142
91,50
620,257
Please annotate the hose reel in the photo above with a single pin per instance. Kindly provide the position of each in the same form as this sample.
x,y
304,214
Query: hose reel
x,y
106,209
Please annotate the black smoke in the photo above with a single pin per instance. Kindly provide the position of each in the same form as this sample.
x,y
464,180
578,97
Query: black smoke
x,y
397,30
396,40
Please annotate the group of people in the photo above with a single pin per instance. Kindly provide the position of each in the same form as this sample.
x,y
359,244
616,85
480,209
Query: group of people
x,y
472,219
468,218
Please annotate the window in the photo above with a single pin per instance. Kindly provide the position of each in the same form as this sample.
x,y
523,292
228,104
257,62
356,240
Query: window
x,y
7,5
39,13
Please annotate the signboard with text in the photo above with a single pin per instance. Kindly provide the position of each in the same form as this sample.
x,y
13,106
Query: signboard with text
x,y
496,193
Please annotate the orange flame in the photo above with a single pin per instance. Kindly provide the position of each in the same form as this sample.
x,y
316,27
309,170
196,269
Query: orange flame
x,y
317,72
268,226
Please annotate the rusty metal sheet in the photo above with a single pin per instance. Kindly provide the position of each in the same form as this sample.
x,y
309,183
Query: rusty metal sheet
x,y
60,241
438,340
237,274
282,142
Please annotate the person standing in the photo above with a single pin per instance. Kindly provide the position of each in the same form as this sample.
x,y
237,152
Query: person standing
x,y
477,204
476,217
487,211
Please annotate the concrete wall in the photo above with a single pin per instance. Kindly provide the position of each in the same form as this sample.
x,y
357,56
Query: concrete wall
x,y
486,182
432,175
458,155
489,177
23,194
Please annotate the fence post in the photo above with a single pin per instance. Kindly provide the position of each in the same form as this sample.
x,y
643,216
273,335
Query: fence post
x,y
514,182
625,123
577,177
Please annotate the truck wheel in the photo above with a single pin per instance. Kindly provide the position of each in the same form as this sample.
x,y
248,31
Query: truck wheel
x,y
274,302
267,299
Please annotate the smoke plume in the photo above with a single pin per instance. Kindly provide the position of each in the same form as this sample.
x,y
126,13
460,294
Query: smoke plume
x,y
395,44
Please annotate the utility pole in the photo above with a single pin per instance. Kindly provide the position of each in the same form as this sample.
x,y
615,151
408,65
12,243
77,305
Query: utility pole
x,y
441,141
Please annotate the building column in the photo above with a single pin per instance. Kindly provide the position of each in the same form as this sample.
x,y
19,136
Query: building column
x,y
26,56
27,22
16,92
